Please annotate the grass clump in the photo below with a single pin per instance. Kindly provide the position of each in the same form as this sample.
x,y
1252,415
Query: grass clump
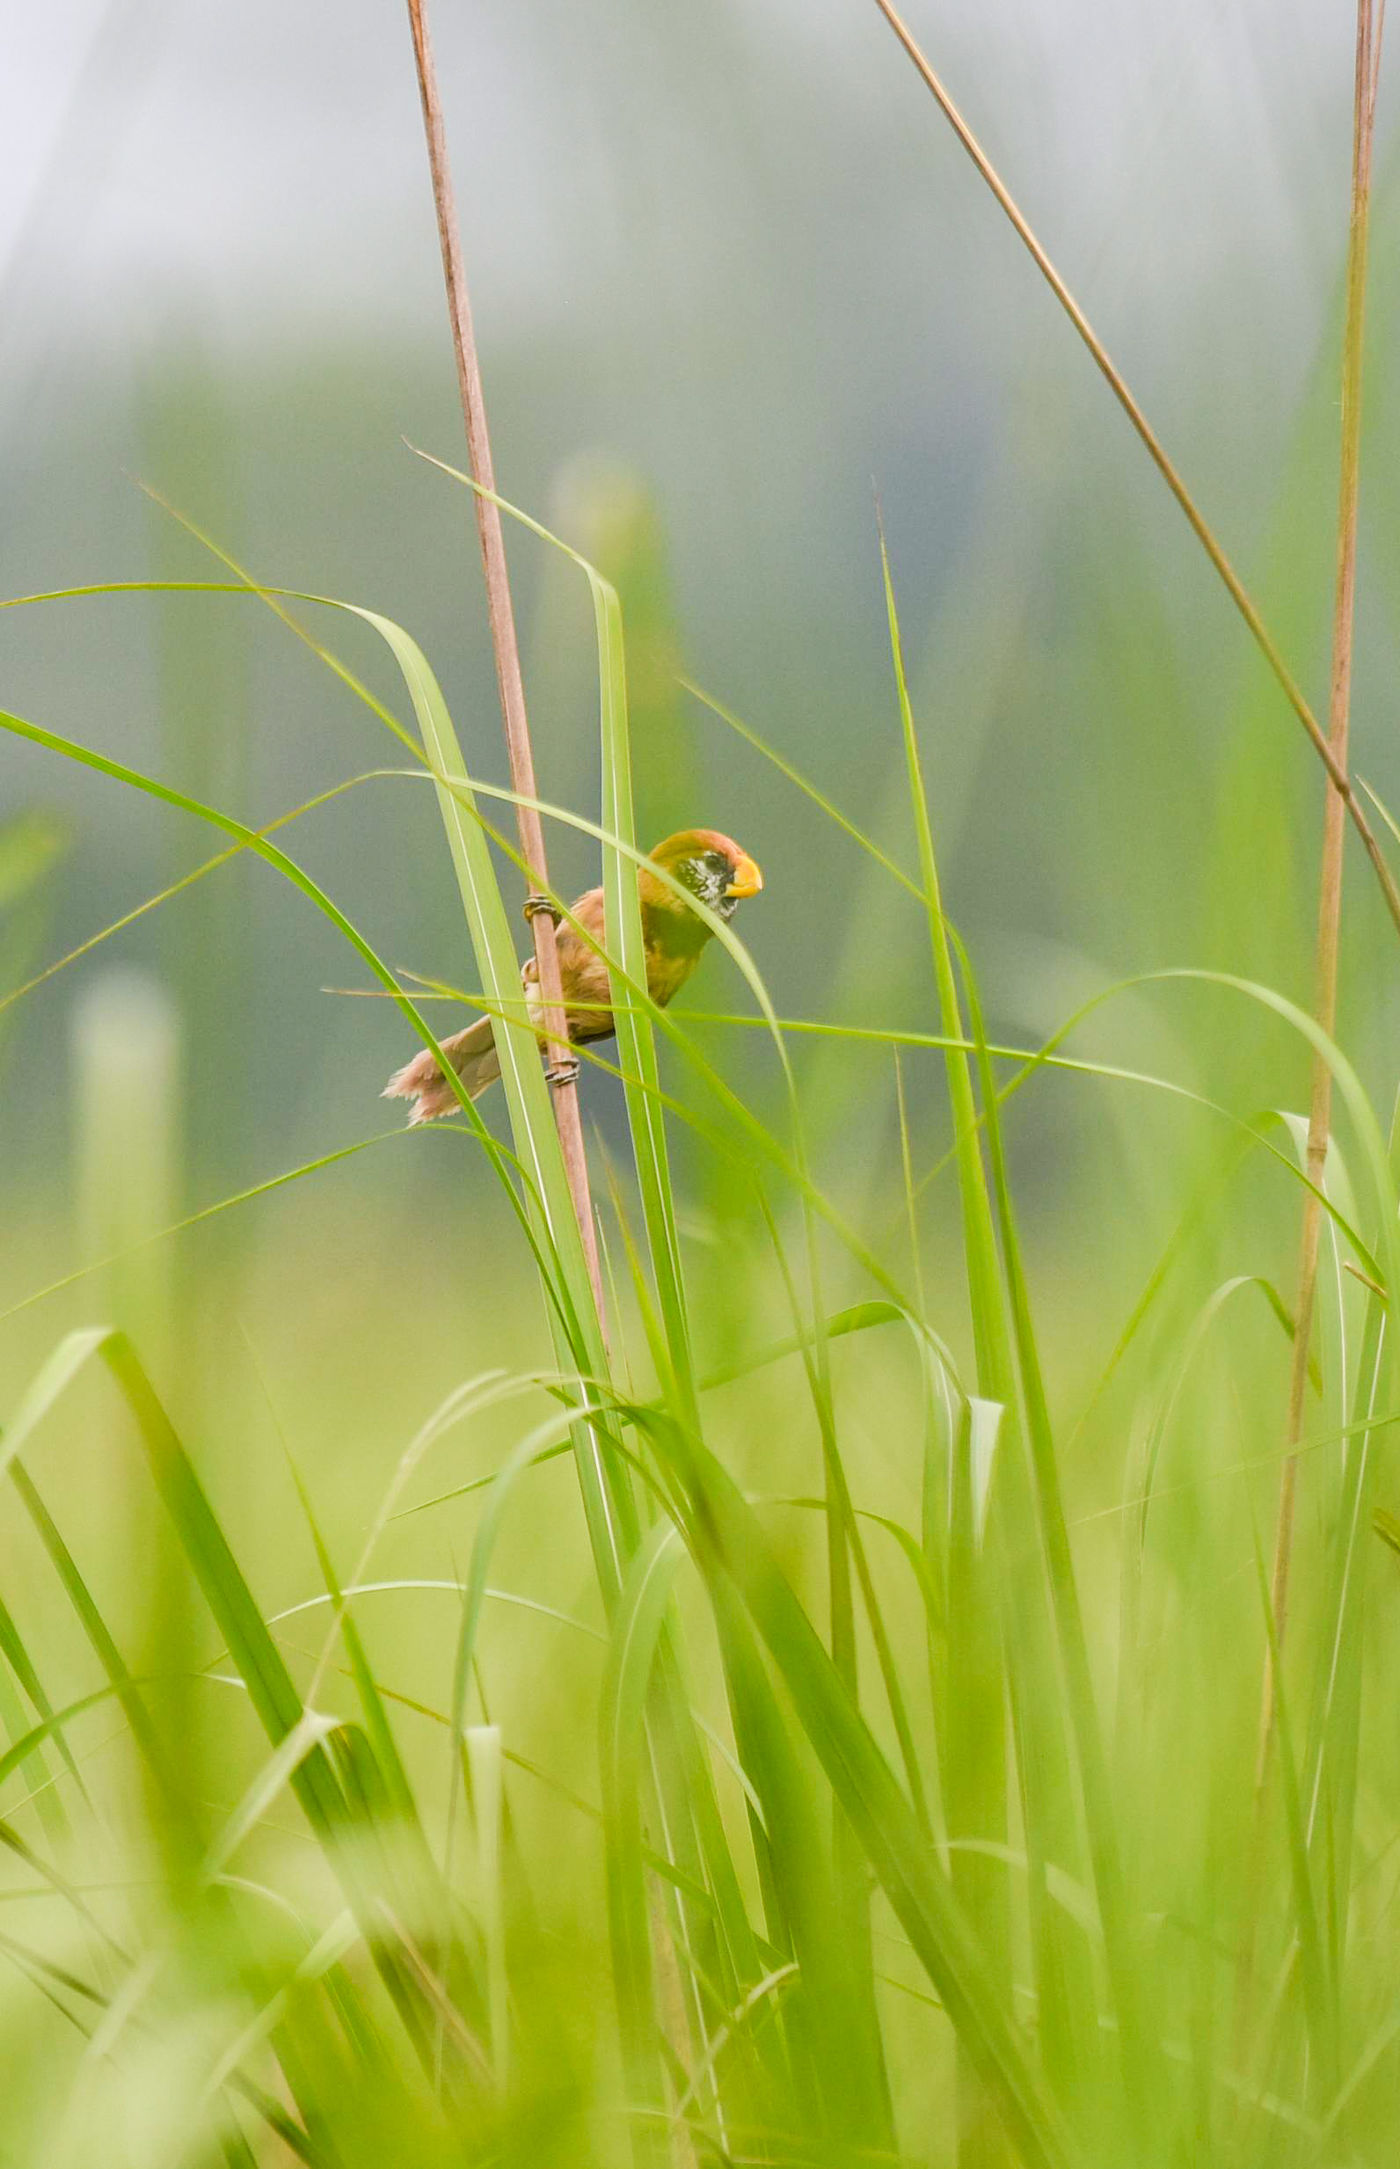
x,y
800,1710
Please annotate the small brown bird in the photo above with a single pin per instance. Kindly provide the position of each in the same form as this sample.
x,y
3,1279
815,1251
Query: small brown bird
x,y
710,866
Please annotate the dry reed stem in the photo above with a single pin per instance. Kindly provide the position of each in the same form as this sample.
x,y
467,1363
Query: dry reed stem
x,y
522,773
1235,587
504,643
1329,903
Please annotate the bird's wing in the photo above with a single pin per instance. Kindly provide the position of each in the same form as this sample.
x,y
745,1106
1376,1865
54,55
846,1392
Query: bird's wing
x,y
582,973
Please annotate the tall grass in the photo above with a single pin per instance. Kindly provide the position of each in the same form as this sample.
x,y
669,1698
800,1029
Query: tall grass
x,y
887,1789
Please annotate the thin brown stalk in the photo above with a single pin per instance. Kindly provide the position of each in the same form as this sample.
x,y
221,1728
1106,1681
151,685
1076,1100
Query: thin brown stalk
x,y
1329,903
505,646
562,1073
1238,593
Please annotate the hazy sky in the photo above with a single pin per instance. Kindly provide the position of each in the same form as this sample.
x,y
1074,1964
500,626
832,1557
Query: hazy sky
x,y
265,157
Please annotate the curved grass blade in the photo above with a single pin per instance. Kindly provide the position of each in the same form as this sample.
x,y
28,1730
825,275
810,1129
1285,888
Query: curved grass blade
x,y
270,1687
730,1547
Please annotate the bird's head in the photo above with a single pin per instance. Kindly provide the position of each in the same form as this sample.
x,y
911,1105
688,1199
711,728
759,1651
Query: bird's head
x,y
712,867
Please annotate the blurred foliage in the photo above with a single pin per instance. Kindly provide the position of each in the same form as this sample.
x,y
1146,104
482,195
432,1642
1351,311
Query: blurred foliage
x,y
891,1794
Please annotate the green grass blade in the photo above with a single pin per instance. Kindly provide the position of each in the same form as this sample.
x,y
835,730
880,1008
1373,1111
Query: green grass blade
x,y
730,1544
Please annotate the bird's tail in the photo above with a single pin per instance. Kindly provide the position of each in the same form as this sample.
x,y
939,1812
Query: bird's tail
x,y
472,1054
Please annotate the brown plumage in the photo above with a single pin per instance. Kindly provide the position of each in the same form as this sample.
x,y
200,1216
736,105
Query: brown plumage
x,y
709,865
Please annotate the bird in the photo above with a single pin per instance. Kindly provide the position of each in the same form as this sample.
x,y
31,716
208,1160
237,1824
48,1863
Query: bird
x,y
707,865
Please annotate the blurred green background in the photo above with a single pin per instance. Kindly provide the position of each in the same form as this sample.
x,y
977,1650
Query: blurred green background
x,y
732,278
733,281
730,263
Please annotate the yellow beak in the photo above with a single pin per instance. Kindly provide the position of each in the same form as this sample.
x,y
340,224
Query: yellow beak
x,y
747,878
